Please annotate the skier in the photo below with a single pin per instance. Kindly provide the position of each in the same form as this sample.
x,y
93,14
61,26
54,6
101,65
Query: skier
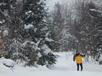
x,y
78,58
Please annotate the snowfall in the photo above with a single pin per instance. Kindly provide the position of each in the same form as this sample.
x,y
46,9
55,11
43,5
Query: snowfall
x,y
63,67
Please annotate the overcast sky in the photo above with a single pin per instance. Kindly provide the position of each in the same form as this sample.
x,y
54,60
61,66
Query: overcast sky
x,y
50,3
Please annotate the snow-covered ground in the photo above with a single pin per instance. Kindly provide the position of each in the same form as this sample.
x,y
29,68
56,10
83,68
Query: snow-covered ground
x,y
63,67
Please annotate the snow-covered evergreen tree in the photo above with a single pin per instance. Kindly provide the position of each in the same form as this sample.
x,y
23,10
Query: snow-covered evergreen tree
x,y
28,34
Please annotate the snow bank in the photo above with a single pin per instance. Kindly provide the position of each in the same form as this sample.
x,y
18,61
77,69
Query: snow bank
x,y
6,65
7,61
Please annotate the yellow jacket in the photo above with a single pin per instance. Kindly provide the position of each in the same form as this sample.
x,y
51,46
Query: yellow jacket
x,y
79,59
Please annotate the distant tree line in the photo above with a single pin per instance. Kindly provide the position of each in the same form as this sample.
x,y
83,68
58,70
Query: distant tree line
x,y
77,26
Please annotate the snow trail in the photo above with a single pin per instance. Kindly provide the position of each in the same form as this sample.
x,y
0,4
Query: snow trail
x,y
66,61
63,67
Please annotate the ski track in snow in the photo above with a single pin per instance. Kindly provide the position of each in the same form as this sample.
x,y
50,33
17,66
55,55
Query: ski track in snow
x,y
63,67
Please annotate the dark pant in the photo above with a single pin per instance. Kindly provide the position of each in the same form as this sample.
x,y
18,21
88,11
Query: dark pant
x,y
79,65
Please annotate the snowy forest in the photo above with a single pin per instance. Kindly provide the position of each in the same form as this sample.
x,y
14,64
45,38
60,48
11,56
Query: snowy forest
x,y
33,35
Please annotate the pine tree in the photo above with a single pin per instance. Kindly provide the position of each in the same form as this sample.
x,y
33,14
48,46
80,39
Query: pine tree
x,y
28,31
35,15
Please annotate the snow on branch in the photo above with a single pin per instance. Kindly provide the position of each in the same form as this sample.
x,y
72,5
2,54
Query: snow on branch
x,y
48,39
28,26
46,49
94,10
